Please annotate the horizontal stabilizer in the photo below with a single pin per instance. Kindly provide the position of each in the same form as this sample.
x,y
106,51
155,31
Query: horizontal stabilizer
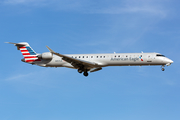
x,y
16,44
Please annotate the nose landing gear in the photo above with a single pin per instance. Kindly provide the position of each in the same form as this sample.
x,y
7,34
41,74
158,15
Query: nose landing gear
x,y
162,68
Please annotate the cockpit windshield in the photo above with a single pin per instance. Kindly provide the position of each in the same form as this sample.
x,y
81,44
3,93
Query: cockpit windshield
x,y
159,55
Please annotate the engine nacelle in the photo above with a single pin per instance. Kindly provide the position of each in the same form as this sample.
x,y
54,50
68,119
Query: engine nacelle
x,y
46,56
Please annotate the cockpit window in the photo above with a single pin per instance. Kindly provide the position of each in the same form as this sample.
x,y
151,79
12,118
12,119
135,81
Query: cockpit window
x,y
159,55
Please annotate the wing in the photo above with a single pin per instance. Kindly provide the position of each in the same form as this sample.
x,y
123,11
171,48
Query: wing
x,y
77,63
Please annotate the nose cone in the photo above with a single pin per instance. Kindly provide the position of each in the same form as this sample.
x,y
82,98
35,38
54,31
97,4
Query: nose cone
x,y
168,61
171,61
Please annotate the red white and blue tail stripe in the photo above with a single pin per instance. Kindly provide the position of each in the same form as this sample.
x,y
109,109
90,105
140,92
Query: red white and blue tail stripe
x,y
28,53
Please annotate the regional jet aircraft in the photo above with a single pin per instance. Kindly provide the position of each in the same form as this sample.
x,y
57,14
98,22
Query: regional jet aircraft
x,y
85,63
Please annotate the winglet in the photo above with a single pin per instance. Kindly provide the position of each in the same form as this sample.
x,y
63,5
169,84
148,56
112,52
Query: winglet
x,y
50,49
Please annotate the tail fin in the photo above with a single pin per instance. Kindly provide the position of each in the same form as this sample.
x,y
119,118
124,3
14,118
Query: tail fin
x,y
28,53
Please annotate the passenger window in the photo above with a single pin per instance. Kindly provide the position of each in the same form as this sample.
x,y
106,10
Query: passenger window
x,y
119,56
91,56
97,56
114,56
83,57
100,56
104,56
75,57
86,56
79,56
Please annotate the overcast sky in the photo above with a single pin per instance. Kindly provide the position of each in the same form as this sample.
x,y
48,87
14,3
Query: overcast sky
x,y
29,92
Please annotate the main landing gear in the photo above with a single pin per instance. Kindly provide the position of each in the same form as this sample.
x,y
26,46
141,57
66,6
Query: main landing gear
x,y
80,71
85,72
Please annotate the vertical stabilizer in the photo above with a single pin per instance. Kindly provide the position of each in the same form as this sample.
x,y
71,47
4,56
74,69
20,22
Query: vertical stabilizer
x,y
28,53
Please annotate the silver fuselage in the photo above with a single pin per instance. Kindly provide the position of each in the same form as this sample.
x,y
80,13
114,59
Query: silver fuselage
x,y
115,59
85,63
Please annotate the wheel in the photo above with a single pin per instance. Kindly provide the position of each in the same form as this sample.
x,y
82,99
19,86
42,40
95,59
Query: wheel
x,y
80,71
86,74
162,69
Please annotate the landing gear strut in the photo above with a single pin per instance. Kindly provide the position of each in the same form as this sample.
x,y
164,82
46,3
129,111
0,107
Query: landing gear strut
x,y
163,68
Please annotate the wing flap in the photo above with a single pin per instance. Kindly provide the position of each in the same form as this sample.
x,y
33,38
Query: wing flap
x,y
95,69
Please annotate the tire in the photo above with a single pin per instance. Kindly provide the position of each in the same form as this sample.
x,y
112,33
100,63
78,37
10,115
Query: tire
x,y
80,71
85,74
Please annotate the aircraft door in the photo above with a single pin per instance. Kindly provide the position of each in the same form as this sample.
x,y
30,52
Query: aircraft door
x,y
149,58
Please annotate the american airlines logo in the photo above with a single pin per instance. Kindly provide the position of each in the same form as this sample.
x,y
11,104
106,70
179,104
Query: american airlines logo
x,y
127,59
141,58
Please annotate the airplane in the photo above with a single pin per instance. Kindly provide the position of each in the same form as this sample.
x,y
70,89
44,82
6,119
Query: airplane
x,y
85,63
